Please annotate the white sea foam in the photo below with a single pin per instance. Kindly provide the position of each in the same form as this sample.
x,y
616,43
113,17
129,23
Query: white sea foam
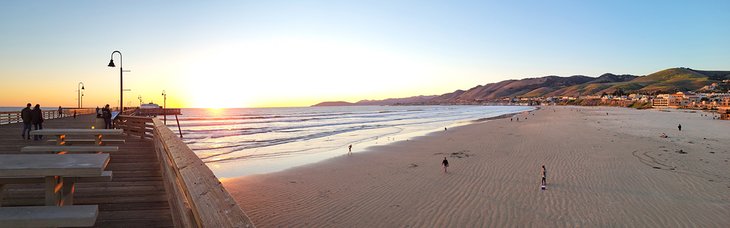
x,y
239,142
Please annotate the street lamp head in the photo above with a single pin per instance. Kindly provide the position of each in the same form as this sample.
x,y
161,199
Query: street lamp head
x,y
111,63
82,87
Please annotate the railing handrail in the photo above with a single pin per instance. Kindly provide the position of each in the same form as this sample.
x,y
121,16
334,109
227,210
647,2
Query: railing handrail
x,y
9,117
196,196
135,125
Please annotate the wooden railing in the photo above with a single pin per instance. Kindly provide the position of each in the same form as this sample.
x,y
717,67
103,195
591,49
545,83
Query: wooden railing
x,y
14,116
134,125
196,196
157,111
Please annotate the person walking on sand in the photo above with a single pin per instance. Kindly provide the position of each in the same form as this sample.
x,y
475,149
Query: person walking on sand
x,y
350,149
445,164
544,176
679,127
36,117
25,114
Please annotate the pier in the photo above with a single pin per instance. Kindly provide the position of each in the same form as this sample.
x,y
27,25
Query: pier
x,y
157,180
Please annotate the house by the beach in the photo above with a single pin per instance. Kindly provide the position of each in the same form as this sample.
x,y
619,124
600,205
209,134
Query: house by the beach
x,y
676,100
665,101
724,109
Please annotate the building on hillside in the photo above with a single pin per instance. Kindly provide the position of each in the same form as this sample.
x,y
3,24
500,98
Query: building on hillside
x,y
665,101
590,97
677,100
724,109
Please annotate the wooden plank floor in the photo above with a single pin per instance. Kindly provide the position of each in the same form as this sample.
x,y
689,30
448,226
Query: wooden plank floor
x,y
135,196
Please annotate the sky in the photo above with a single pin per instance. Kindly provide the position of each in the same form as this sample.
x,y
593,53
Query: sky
x,y
298,53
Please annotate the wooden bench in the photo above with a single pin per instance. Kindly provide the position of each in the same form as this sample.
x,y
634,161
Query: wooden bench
x,y
61,134
49,216
59,171
87,141
68,149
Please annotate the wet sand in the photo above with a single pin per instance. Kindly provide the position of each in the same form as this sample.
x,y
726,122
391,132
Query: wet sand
x,y
603,170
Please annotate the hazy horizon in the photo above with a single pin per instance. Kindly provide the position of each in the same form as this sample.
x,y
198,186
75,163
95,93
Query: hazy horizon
x,y
296,54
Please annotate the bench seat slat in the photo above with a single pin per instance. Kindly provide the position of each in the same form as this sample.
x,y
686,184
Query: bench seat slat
x,y
49,216
105,141
55,149
68,132
105,176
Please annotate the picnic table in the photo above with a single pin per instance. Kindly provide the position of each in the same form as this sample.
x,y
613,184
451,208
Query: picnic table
x,y
61,134
60,172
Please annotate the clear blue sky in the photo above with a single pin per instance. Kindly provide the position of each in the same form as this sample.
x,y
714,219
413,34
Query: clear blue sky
x,y
327,49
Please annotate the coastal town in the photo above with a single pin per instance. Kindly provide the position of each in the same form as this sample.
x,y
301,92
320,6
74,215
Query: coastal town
x,y
714,101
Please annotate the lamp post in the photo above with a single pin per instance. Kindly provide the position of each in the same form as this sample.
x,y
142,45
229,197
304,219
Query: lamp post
x,y
80,95
121,79
164,106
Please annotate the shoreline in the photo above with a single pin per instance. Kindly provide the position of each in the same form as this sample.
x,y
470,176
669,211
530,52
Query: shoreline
x,y
603,170
334,146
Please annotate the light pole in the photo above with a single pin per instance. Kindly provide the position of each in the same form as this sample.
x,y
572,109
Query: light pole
x,y
164,106
121,80
80,95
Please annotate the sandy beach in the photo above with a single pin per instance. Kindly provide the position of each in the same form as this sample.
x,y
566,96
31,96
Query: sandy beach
x,y
605,167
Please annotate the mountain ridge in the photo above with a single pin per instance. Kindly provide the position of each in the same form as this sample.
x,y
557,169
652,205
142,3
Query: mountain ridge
x,y
663,81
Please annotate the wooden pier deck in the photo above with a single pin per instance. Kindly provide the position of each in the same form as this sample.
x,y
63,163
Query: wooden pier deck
x,y
135,197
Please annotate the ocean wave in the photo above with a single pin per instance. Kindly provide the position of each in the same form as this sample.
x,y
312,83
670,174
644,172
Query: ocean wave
x,y
279,141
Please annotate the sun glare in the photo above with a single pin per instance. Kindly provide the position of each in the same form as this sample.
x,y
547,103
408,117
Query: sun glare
x,y
214,111
288,72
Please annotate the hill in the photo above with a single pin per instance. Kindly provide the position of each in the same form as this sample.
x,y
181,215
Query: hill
x,y
664,81
389,101
333,103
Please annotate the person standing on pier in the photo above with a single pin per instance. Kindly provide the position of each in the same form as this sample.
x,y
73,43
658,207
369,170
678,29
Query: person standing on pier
x,y
60,112
106,113
25,114
36,117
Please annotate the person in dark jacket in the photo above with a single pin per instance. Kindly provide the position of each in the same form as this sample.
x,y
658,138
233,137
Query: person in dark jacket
x,y
445,164
25,115
36,117
106,113
543,182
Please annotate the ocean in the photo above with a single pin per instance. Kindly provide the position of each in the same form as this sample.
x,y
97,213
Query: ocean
x,y
245,141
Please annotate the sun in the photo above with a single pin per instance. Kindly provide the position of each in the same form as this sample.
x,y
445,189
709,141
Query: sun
x,y
217,99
